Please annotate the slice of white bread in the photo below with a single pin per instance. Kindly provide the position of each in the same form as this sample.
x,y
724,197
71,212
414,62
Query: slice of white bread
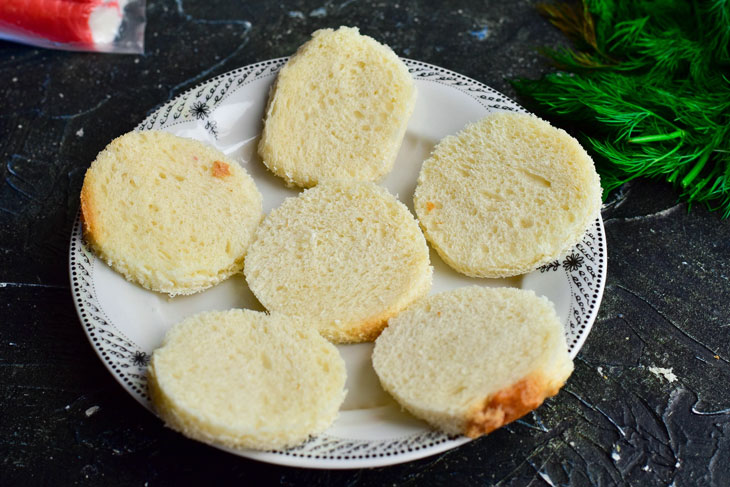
x,y
506,195
345,255
246,379
471,360
170,213
338,110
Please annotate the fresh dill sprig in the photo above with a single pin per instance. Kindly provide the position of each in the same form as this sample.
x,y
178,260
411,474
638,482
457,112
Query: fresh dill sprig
x,y
648,84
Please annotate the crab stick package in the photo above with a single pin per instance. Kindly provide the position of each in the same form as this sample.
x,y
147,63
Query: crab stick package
x,y
75,25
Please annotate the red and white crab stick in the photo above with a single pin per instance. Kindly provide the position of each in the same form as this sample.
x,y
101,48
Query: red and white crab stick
x,y
80,23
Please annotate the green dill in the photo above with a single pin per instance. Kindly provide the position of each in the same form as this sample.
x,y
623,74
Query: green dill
x,y
648,85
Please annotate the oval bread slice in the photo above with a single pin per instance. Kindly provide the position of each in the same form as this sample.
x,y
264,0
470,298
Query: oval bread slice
x,y
246,379
170,213
345,255
471,360
505,195
338,110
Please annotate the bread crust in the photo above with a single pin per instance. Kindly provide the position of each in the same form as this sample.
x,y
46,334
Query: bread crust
x,y
509,404
349,302
123,184
197,407
506,195
88,215
369,330
470,360
328,117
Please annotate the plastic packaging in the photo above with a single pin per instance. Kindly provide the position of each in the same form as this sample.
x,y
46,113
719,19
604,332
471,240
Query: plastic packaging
x,y
76,25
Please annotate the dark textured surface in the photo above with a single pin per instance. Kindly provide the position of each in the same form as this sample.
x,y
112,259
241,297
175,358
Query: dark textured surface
x,y
619,420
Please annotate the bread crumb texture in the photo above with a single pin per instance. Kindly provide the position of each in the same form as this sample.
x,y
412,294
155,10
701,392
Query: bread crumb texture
x,y
345,255
172,214
338,110
505,195
221,169
471,360
246,379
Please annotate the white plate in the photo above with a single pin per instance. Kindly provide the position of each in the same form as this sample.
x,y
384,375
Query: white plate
x,y
125,323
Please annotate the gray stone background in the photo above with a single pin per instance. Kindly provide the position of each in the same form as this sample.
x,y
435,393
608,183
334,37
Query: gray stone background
x,y
619,421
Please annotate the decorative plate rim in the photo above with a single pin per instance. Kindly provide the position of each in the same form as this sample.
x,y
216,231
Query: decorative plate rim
x,y
585,267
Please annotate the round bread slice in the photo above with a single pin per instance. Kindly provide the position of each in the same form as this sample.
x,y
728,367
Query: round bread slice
x,y
338,110
471,360
246,379
345,255
505,195
172,214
